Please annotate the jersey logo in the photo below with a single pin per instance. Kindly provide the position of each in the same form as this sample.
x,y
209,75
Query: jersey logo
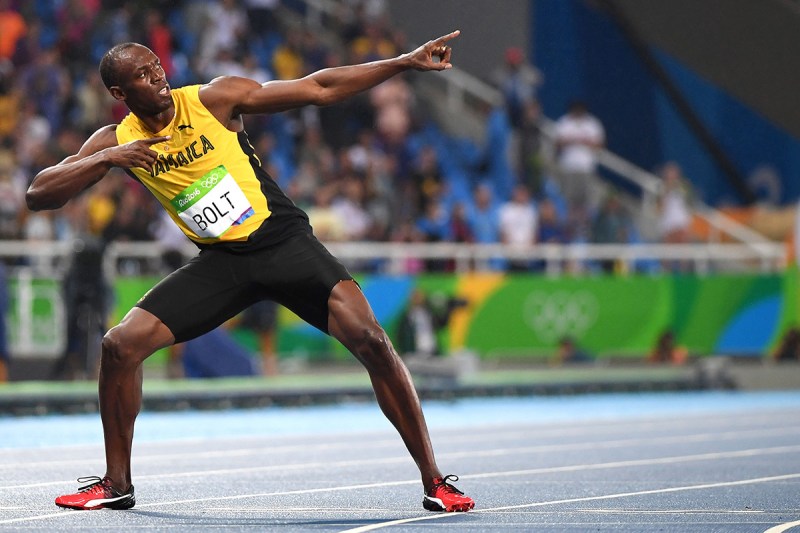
x,y
189,153
185,127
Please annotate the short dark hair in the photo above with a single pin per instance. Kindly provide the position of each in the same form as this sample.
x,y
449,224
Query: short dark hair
x,y
108,65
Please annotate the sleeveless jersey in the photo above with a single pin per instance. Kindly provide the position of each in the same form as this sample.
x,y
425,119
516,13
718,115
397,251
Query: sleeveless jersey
x,y
210,181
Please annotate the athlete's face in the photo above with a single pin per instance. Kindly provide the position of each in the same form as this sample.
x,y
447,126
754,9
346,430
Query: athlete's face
x,y
142,83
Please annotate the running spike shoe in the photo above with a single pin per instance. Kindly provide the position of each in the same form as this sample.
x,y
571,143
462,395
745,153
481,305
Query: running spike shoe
x,y
445,497
98,494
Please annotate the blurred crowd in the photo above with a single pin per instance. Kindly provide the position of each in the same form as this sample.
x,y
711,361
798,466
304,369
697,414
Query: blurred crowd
x,y
373,168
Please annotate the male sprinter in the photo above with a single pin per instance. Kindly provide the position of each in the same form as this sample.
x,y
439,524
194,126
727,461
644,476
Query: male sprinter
x,y
189,148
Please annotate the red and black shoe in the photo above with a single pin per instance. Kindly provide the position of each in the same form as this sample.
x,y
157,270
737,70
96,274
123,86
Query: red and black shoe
x,y
445,497
98,494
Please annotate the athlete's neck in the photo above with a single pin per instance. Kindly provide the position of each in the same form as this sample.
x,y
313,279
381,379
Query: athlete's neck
x,y
156,122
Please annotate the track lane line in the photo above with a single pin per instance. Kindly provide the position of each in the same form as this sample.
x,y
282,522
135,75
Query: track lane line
x,y
571,468
752,481
496,452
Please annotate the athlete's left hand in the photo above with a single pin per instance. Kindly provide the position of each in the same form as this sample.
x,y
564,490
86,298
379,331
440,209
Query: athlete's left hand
x,y
423,57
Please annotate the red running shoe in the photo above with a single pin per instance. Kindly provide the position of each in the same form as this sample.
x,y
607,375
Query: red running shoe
x,y
98,494
445,497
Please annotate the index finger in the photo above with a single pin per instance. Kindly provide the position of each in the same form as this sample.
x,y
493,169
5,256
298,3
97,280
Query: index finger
x,y
445,38
156,140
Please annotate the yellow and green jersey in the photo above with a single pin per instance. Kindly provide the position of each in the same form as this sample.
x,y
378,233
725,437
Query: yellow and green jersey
x,y
210,181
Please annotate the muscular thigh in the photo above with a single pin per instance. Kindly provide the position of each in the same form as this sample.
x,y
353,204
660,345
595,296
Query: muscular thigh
x,y
202,294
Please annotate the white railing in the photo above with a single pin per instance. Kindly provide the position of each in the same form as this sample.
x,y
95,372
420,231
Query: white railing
x,y
388,257
403,258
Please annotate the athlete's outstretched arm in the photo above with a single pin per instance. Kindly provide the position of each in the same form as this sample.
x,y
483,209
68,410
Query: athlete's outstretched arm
x,y
228,97
54,186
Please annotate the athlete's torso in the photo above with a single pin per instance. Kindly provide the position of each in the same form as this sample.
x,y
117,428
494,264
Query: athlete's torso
x,y
209,179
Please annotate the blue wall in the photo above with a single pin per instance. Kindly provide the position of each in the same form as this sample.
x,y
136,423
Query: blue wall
x,y
583,55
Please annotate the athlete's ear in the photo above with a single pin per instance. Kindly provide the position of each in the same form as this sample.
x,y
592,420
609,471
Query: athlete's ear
x,y
117,92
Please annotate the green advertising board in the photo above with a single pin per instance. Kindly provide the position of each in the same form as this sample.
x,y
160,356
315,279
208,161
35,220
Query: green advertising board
x,y
508,315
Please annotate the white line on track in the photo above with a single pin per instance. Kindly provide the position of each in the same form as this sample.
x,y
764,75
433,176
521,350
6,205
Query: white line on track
x,y
496,452
780,528
752,481
570,468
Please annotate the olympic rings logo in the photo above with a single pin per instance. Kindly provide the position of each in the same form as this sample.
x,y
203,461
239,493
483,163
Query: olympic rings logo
x,y
552,315
210,181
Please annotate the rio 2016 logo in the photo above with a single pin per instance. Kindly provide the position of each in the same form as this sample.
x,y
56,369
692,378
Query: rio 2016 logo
x,y
552,315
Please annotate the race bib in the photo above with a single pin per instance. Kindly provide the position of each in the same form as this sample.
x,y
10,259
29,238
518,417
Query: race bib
x,y
212,204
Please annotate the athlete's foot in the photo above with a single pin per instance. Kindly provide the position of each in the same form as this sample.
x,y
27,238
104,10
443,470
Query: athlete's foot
x,y
98,494
443,496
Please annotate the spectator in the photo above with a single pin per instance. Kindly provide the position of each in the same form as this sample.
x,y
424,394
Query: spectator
x,y
12,196
483,215
92,103
434,224
392,101
171,240
373,44
427,179
460,230
407,232
46,84
675,218
12,29
612,225
226,29
253,70
75,22
158,38
518,81
518,225
350,206
287,61
667,351
570,353
380,197
9,101
261,15
417,329
424,318
550,230
529,164
328,223
578,137
789,347
261,319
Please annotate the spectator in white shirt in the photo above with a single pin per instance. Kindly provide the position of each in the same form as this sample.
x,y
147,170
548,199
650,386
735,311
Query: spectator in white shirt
x,y
518,223
579,135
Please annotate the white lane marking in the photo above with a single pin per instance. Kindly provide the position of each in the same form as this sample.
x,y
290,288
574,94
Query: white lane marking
x,y
569,468
497,452
392,441
381,525
780,528
590,466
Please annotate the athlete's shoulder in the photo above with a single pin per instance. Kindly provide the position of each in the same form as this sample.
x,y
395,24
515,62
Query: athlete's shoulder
x,y
229,89
104,137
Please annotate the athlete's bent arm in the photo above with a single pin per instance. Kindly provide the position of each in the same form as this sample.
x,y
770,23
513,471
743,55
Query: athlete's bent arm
x,y
54,186
230,96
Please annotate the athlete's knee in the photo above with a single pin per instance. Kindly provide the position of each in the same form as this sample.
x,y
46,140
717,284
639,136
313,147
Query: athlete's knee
x,y
374,348
120,349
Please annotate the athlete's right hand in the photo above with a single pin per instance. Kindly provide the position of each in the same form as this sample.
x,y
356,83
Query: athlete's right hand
x,y
136,153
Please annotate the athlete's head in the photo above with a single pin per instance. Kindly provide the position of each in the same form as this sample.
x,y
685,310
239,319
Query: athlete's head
x,y
132,73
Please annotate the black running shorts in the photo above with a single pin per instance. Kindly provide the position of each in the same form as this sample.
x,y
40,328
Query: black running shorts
x,y
298,273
